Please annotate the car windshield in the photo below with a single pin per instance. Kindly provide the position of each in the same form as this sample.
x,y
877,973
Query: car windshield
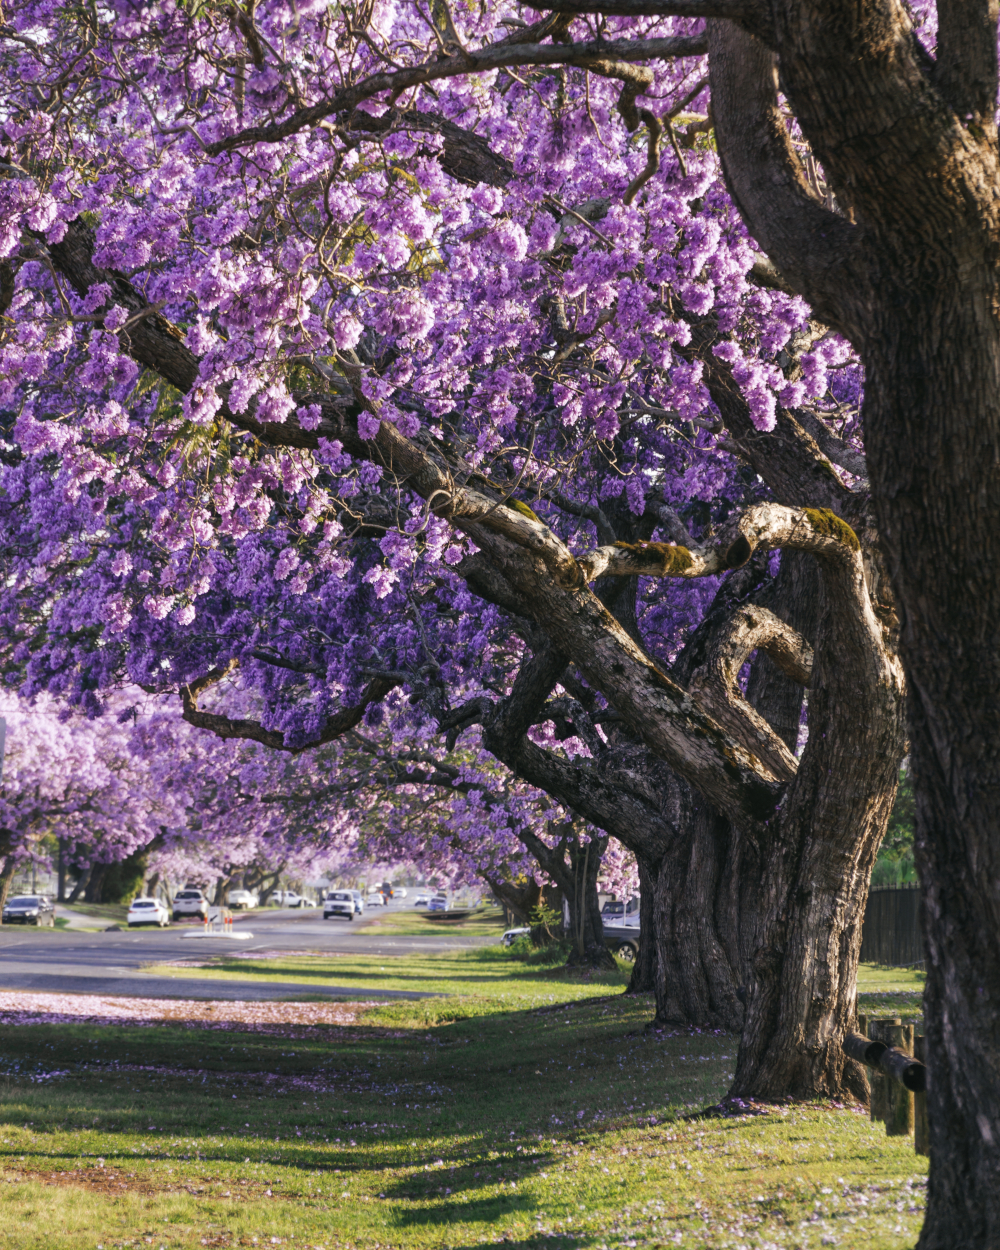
x,y
189,894
23,900
144,903
341,898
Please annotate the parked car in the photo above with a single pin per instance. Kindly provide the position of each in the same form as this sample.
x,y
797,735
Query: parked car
x,y
339,903
623,944
359,902
374,898
398,892
439,902
613,909
148,911
30,909
422,899
511,936
305,902
189,903
242,900
286,898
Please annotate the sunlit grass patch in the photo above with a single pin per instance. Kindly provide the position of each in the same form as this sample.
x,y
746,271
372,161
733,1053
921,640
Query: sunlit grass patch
x,y
527,1108
891,992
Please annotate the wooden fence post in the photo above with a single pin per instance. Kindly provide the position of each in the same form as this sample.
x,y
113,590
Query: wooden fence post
x,y
877,1030
921,1133
899,1120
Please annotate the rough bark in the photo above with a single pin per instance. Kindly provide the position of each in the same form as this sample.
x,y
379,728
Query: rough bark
x,y
908,146
697,981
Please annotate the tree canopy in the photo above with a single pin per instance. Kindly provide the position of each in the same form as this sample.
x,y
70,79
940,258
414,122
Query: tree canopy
x,y
460,373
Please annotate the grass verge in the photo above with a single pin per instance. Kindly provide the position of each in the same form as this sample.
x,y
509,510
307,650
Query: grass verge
x,y
526,1108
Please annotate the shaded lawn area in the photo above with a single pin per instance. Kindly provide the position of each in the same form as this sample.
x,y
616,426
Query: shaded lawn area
x,y
528,1108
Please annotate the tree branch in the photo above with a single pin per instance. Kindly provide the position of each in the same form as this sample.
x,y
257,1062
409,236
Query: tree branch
x,y
835,449
465,155
591,54
787,458
715,683
234,727
816,251
767,525
965,69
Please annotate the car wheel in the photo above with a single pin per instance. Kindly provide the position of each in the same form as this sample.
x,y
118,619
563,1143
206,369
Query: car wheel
x,y
626,952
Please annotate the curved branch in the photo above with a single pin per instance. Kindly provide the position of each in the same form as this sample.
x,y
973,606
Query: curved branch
x,y
592,54
237,727
816,251
768,525
715,683
787,458
523,551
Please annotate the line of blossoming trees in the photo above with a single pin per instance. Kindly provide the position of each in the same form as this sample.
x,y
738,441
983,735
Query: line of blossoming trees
x,y
137,797
519,402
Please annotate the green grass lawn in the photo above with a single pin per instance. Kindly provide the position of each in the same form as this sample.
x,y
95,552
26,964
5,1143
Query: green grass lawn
x,y
486,923
891,992
111,913
526,1108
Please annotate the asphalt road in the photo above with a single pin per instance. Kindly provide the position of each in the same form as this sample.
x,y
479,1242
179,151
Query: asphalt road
x,y
71,962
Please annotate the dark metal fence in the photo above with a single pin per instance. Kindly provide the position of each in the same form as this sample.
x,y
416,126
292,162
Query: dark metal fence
x,y
891,931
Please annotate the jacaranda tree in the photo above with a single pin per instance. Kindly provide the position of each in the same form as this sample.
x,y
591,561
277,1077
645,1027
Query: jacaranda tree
x,y
416,367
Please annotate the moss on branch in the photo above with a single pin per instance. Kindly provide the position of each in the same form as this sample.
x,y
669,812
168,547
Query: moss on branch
x,y
827,523
673,560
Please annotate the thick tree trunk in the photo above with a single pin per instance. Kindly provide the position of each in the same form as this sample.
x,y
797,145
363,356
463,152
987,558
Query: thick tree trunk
x,y
95,883
805,886
934,446
644,970
82,882
586,928
696,982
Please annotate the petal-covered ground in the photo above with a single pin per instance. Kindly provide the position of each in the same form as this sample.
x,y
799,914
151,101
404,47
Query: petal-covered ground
x,y
22,1008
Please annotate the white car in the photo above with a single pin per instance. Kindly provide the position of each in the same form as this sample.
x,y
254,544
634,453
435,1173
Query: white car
x,y
148,911
189,903
511,936
242,900
375,899
339,903
359,902
398,892
422,899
